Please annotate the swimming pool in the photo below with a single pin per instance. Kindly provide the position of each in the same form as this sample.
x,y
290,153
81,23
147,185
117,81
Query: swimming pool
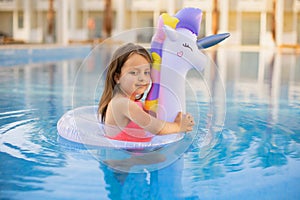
x,y
254,154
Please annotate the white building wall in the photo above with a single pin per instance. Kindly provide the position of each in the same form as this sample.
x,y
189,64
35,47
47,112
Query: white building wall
x,y
72,17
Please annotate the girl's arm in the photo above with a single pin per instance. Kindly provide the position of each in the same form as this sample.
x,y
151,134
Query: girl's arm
x,y
133,112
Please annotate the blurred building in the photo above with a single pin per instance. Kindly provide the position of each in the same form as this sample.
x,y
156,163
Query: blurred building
x,y
250,22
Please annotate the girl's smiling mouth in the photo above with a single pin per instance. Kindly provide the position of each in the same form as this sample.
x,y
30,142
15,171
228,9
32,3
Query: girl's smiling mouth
x,y
142,85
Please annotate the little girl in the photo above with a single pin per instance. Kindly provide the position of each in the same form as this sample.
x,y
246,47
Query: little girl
x,y
120,108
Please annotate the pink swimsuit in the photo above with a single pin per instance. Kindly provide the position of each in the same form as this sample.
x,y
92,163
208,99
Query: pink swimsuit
x,y
132,127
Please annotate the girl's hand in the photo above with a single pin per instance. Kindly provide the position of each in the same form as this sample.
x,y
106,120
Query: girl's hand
x,y
184,122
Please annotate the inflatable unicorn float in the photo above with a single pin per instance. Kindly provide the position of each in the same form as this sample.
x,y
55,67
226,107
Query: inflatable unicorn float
x,y
175,50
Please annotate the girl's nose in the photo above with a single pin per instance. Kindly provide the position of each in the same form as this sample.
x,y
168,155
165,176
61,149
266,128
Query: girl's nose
x,y
141,77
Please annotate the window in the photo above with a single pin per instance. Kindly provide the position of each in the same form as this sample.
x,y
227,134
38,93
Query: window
x,y
20,19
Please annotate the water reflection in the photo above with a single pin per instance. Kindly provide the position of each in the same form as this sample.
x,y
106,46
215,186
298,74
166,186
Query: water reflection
x,y
259,138
161,184
261,130
31,103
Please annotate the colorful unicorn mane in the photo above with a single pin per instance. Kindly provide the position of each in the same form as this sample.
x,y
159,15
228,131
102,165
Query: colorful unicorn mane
x,y
156,53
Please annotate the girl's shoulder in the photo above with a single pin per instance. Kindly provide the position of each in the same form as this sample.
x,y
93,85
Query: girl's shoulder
x,y
120,100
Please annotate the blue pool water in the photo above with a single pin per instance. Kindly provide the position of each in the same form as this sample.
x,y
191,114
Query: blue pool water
x,y
248,146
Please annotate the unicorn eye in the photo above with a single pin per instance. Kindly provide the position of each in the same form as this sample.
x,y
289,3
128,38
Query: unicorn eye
x,y
187,46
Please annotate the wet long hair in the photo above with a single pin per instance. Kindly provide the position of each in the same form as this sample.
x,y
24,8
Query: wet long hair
x,y
119,57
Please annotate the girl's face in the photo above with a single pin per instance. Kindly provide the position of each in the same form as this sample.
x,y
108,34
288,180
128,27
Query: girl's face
x,y
135,76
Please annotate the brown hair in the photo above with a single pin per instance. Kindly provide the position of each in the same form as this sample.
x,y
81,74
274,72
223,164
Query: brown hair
x,y
119,57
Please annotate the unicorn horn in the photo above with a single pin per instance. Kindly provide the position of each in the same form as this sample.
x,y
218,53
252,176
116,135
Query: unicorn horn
x,y
211,40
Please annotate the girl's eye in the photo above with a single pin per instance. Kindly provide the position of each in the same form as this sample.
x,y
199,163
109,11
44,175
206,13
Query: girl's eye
x,y
135,73
147,73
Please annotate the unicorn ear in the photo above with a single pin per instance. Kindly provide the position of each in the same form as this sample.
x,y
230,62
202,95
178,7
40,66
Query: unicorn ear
x,y
170,32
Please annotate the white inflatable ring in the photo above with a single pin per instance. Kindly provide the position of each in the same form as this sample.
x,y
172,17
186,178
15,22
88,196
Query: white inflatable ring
x,y
81,125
